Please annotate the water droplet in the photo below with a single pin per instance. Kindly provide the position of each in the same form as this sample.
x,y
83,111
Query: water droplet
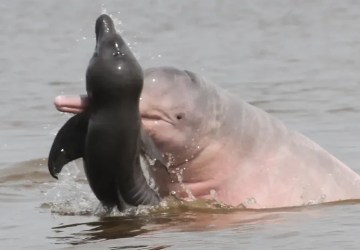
x,y
213,194
250,201
323,198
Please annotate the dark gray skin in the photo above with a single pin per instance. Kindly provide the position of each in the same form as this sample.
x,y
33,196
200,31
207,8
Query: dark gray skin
x,y
108,135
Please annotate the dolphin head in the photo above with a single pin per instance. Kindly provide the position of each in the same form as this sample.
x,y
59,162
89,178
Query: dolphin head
x,y
177,111
113,69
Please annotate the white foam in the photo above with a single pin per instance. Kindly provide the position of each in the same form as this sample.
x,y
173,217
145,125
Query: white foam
x,y
71,194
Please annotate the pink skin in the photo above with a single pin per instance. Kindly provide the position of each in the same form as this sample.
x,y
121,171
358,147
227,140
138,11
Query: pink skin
x,y
71,104
222,148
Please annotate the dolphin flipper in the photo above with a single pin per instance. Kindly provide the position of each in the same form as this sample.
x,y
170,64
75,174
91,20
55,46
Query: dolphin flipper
x,y
69,143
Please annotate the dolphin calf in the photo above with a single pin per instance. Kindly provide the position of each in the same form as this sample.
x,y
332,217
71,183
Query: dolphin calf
x,y
222,148
108,135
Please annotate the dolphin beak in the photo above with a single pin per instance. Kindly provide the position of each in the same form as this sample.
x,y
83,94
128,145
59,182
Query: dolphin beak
x,y
104,25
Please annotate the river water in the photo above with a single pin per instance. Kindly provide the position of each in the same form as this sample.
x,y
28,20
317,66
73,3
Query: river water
x,y
298,60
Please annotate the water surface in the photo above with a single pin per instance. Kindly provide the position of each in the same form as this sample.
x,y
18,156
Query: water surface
x,y
296,59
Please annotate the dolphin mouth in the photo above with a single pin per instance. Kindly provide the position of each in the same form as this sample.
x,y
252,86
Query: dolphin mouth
x,y
104,25
155,118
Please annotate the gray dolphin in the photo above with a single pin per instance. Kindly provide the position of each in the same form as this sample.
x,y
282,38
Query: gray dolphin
x,y
108,135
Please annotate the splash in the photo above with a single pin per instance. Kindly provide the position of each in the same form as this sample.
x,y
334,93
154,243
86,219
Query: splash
x,y
103,9
320,200
146,162
118,23
71,195
249,202
178,173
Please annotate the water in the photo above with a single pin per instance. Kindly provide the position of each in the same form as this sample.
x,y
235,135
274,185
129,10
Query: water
x,y
296,59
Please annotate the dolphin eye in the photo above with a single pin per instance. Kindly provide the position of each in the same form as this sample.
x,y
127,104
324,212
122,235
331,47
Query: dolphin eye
x,y
179,116
118,53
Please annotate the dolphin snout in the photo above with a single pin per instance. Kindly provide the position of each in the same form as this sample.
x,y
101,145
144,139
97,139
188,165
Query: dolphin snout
x,y
104,25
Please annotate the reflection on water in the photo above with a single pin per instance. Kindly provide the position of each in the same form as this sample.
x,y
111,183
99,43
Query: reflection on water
x,y
186,217
179,218
124,227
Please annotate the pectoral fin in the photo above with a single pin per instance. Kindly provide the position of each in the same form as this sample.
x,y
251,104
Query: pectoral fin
x,y
69,143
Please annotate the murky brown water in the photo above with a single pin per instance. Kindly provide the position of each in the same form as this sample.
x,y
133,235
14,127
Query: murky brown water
x,y
298,60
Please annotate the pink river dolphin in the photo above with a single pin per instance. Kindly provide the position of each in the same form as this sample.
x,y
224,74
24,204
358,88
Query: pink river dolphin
x,y
221,148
